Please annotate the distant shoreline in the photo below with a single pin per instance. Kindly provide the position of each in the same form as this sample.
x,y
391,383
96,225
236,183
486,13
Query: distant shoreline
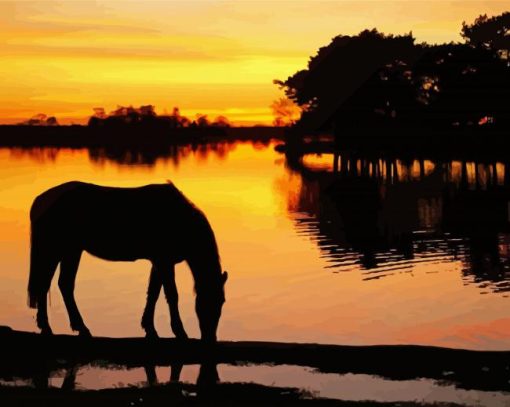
x,y
396,142
78,136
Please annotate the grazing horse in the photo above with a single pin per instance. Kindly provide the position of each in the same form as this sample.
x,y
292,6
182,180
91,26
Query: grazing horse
x,y
153,222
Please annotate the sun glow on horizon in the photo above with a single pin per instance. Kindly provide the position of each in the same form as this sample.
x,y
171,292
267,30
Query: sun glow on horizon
x,y
209,57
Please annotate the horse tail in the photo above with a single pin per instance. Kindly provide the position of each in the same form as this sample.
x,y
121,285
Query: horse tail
x,y
42,254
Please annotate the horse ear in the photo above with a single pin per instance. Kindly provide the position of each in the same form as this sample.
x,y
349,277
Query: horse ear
x,y
224,277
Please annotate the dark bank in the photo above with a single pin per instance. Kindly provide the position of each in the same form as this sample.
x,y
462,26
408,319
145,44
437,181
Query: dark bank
x,y
484,371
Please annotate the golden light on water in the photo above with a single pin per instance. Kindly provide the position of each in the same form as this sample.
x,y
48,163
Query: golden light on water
x,y
281,285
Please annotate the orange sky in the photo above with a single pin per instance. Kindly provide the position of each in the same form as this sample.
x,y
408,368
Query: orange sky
x,y
213,57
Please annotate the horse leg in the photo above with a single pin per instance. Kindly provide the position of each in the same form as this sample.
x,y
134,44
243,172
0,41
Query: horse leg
x,y
150,372
68,269
172,298
42,315
48,268
69,382
175,372
153,291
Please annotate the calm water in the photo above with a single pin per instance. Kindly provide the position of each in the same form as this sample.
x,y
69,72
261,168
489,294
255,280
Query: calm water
x,y
343,250
351,387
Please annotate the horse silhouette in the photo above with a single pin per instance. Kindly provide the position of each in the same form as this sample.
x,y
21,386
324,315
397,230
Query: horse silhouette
x,y
155,222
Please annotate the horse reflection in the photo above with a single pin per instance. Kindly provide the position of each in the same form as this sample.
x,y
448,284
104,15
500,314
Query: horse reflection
x,y
206,381
152,378
154,222
207,376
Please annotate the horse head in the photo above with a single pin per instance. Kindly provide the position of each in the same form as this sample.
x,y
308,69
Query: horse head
x,y
208,305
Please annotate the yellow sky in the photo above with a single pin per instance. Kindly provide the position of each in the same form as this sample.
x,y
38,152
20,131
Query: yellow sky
x,y
213,57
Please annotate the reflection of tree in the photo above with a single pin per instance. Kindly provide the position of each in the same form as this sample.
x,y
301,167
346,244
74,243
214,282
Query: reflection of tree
x,y
488,263
172,152
480,212
385,215
37,154
147,154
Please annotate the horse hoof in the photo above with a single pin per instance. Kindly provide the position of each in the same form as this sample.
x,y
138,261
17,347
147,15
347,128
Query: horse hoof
x,y
182,337
46,331
179,333
84,333
151,335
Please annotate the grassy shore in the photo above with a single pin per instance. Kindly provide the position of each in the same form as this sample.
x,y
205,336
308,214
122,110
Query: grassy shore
x,y
25,354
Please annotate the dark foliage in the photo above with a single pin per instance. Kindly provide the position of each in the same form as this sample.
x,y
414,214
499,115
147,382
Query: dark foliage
x,y
373,79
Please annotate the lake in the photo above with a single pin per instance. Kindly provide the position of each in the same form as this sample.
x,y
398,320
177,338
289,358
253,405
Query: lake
x,y
332,249
319,249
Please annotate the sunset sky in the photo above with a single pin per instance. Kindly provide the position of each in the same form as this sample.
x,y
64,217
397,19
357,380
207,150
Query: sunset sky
x,y
63,58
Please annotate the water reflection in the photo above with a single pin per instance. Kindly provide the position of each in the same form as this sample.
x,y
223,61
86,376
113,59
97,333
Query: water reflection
x,y
292,227
97,376
174,153
380,214
385,215
186,382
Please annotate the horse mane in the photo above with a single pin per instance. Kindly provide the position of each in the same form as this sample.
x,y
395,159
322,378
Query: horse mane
x,y
203,258
181,195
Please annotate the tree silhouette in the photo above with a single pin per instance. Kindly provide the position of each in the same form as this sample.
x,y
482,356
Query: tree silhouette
x,y
146,116
341,68
99,112
373,80
51,121
176,120
285,112
201,120
493,32
41,119
460,85
221,121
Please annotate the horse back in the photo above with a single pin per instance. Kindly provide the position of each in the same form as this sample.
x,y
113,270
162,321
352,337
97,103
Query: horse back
x,y
115,223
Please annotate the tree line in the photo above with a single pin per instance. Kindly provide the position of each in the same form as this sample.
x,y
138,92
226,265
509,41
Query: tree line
x,y
374,79
146,115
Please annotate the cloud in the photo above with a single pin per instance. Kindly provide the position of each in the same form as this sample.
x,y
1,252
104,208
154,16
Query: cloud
x,y
214,54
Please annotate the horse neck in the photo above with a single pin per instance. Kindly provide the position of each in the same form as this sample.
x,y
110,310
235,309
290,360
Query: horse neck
x,y
206,271
203,258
